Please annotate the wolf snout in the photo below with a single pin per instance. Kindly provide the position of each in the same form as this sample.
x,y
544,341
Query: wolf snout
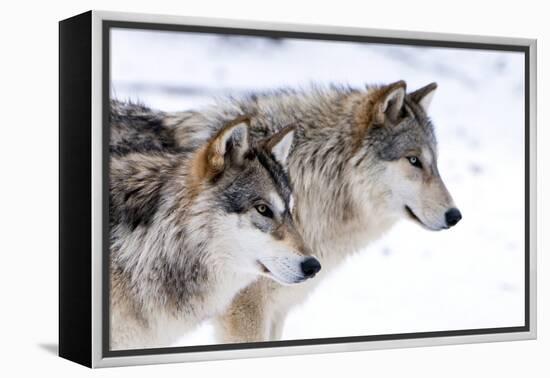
x,y
452,216
310,267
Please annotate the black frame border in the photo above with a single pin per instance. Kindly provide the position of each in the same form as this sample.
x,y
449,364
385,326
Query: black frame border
x,y
107,25
75,189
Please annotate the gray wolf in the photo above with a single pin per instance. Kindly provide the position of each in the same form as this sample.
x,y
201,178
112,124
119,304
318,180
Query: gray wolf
x,y
361,160
192,225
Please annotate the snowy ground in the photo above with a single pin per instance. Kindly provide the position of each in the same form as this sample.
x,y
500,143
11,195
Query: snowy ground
x,y
411,280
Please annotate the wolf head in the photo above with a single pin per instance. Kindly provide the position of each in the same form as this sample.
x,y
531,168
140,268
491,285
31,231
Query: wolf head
x,y
252,204
397,148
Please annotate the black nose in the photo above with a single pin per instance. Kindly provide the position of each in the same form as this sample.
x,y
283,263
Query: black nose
x,y
452,216
310,267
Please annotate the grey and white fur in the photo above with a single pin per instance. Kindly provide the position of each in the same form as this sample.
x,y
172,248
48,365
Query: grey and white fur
x,y
361,160
194,223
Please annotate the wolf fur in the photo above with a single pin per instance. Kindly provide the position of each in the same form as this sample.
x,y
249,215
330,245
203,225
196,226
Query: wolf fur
x,y
192,224
361,160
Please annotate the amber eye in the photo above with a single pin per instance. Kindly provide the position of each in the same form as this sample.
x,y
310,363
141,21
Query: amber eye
x,y
414,161
264,210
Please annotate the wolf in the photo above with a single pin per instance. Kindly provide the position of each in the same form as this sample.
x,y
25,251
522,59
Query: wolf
x,y
361,160
192,225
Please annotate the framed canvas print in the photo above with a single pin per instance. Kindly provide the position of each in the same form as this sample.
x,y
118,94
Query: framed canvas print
x,y
236,189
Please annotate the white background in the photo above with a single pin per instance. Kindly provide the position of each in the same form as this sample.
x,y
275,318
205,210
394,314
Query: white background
x,y
29,187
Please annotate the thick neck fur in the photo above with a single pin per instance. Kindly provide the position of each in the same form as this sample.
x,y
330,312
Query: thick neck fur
x,y
347,211
161,265
343,222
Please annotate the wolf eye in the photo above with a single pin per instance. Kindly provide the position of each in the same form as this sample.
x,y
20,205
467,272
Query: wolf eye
x,y
415,161
264,210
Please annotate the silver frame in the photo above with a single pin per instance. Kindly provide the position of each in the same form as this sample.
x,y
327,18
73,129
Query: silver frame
x,y
98,360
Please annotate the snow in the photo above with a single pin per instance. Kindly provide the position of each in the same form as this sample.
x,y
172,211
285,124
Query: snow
x,y
411,280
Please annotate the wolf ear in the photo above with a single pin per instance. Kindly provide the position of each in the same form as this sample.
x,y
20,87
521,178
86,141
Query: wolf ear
x,y
230,144
424,96
390,101
280,144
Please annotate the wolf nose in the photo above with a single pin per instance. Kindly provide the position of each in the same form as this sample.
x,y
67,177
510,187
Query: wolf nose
x,y
310,267
452,216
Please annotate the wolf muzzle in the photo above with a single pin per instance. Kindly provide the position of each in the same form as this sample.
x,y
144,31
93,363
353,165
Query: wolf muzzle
x,y
452,217
310,267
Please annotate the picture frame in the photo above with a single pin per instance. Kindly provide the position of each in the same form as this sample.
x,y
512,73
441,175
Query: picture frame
x,y
85,67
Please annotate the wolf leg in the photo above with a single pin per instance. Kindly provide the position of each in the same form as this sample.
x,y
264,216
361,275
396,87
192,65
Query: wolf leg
x,y
277,326
247,318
